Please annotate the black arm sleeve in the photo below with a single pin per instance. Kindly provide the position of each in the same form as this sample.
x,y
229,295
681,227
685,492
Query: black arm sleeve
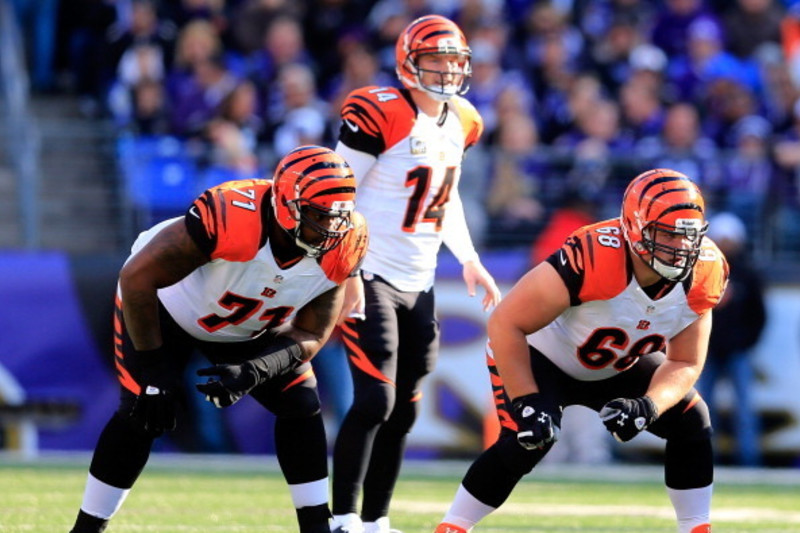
x,y
283,355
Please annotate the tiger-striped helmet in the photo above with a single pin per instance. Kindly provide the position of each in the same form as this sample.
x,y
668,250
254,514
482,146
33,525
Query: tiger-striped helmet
x,y
434,34
662,208
315,187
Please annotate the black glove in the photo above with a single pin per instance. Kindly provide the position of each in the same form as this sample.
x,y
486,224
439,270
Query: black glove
x,y
155,406
232,384
625,417
535,425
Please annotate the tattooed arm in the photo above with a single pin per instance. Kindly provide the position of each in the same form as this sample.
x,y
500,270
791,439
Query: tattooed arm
x,y
168,258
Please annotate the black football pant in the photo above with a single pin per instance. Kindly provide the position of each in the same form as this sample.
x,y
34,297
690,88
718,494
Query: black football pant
x,y
389,353
124,446
688,461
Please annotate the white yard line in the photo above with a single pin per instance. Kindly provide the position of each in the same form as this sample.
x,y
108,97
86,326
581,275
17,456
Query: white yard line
x,y
550,509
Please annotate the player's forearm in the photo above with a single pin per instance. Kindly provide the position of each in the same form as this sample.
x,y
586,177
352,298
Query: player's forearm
x,y
140,310
512,357
671,382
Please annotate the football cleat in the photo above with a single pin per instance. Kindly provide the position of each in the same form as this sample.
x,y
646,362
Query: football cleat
x,y
444,527
347,523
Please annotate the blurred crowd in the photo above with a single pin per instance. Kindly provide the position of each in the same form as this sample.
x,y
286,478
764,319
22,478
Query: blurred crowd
x,y
577,96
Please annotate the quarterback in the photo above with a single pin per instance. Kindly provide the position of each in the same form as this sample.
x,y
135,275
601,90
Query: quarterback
x,y
405,147
252,276
618,320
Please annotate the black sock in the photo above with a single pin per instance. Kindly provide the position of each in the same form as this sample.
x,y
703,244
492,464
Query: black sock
x,y
314,519
86,523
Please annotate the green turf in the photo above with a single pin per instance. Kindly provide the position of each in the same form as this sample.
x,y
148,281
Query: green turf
x,y
44,498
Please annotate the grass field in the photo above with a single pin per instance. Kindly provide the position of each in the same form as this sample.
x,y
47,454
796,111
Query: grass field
x,y
247,494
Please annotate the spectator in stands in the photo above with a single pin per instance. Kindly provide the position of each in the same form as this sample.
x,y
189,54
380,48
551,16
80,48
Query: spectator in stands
x,y
545,25
593,146
183,12
489,79
149,114
240,108
194,101
748,24
683,147
328,25
282,45
302,116
144,33
739,319
670,30
642,113
610,57
514,201
726,103
359,69
197,43
750,176
787,157
707,61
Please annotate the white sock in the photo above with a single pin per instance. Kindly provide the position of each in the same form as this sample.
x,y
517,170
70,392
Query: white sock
x,y
381,525
101,499
466,510
692,507
350,521
309,494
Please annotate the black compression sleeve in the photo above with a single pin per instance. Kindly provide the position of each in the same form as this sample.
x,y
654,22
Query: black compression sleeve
x,y
281,357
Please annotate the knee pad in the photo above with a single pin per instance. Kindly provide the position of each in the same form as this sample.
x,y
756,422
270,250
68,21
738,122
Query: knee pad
x,y
298,402
374,404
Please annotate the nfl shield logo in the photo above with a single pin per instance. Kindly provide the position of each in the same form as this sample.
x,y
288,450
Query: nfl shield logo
x,y
418,146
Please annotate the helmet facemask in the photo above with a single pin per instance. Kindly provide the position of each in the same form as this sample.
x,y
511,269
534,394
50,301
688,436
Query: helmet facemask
x,y
331,224
673,262
447,83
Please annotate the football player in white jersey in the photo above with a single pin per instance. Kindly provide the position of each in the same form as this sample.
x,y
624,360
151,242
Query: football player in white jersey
x,y
617,320
405,147
252,277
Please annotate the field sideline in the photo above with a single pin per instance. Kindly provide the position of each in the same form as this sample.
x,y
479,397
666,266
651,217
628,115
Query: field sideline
x,y
184,493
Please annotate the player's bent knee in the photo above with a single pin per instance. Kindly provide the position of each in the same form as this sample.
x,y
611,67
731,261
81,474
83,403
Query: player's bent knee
x,y
300,402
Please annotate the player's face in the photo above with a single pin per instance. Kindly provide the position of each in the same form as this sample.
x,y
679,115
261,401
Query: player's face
x,y
439,71
318,227
668,241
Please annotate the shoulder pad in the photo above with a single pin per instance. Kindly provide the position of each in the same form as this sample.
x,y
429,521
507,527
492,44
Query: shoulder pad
x,y
603,258
231,214
709,278
471,120
381,112
345,258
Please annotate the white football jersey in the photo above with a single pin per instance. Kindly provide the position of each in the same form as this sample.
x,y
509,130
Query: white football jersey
x,y
612,321
405,196
243,291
